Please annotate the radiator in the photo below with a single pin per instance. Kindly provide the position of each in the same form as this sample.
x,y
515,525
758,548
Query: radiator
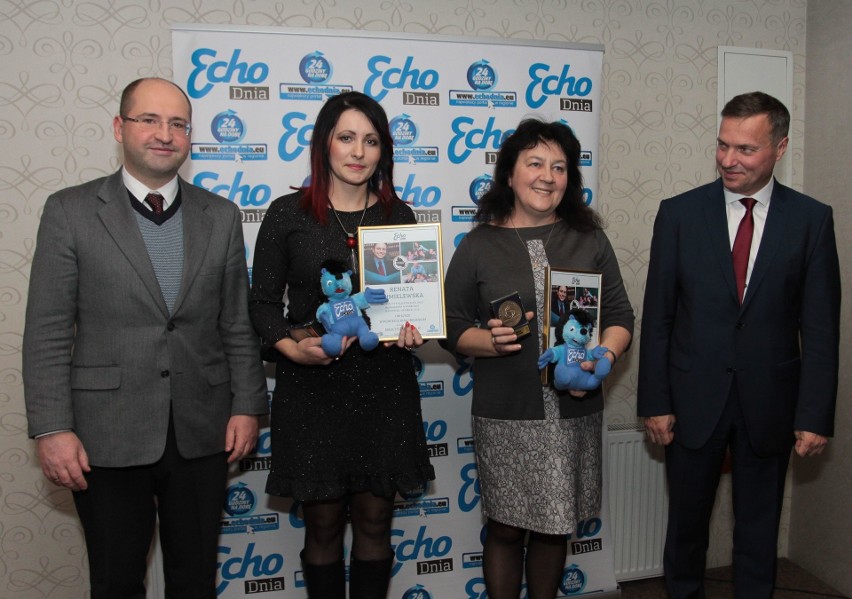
x,y
638,502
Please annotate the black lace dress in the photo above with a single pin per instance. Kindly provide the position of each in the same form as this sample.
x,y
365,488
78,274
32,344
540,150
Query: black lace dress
x,y
356,424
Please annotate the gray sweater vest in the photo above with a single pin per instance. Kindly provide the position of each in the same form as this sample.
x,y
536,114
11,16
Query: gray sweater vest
x,y
165,248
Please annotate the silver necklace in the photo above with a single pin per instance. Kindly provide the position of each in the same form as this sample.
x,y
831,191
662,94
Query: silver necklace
x,y
536,264
351,239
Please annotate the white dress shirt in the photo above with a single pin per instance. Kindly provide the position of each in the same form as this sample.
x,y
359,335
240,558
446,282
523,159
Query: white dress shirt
x,y
736,211
140,190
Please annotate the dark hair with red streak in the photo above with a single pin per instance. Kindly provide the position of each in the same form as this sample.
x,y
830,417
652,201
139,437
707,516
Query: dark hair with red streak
x,y
315,194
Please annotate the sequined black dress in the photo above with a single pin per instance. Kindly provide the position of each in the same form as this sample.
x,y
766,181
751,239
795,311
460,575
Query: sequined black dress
x,y
356,424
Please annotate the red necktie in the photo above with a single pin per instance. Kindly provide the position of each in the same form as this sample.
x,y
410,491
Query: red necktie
x,y
742,246
155,201
381,268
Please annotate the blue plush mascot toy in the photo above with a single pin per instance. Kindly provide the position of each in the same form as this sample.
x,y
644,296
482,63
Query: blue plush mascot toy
x,y
341,314
572,337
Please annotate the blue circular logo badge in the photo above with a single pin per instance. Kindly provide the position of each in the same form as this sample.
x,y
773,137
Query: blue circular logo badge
x,y
416,493
418,365
481,76
417,592
240,500
573,580
479,187
314,68
227,127
403,130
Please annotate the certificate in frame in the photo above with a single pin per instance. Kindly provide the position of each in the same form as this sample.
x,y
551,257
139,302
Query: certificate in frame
x,y
567,290
407,262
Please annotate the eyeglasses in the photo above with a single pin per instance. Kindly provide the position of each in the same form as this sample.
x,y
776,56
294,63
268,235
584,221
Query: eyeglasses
x,y
150,123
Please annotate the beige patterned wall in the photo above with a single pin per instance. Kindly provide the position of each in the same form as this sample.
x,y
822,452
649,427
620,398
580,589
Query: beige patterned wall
x,y
822,488
63,64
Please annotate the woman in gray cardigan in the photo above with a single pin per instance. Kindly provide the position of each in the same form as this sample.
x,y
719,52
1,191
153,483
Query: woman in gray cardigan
x,y
538,450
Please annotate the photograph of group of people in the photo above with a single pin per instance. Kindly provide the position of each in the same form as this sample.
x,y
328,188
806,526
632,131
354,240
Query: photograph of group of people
x,y
564,298
118,446
401,262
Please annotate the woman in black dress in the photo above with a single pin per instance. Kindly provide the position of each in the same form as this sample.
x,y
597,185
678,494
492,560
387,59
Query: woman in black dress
x,y
347,431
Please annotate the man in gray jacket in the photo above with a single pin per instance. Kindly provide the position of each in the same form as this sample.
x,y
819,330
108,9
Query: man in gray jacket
x,y
142,374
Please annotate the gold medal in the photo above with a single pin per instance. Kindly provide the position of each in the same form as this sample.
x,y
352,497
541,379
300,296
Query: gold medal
x,y
510,313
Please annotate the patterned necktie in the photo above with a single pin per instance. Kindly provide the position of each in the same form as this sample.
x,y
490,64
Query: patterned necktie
x,y
155,201
742,246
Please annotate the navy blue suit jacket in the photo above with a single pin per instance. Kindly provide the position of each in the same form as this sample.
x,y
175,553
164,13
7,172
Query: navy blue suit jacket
x,y
780,347
371,272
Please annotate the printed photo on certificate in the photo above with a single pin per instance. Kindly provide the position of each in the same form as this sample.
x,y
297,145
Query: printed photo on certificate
x,y
564,291
406,261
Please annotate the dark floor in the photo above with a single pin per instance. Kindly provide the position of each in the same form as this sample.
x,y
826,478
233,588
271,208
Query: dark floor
x,y
793,583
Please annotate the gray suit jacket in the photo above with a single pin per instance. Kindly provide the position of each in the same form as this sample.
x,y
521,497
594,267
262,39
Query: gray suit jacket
x,y
103,357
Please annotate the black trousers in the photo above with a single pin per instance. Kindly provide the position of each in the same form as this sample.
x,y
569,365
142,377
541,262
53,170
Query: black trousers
x,y
118,513
758,492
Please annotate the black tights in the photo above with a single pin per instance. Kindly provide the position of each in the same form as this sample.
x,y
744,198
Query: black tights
x,y
503,562
325,525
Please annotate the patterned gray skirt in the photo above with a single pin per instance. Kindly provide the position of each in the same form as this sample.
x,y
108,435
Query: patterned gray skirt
x,y
540,475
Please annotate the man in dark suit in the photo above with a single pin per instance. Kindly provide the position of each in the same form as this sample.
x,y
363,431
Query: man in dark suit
x,y
142,374
739,349
378,269
559,306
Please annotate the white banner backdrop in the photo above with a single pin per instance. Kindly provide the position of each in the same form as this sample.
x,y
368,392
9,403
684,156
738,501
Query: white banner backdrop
x,y
451,101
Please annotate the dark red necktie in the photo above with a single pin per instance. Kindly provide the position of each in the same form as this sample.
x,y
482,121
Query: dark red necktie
x,y
381,268
742,246
155,201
